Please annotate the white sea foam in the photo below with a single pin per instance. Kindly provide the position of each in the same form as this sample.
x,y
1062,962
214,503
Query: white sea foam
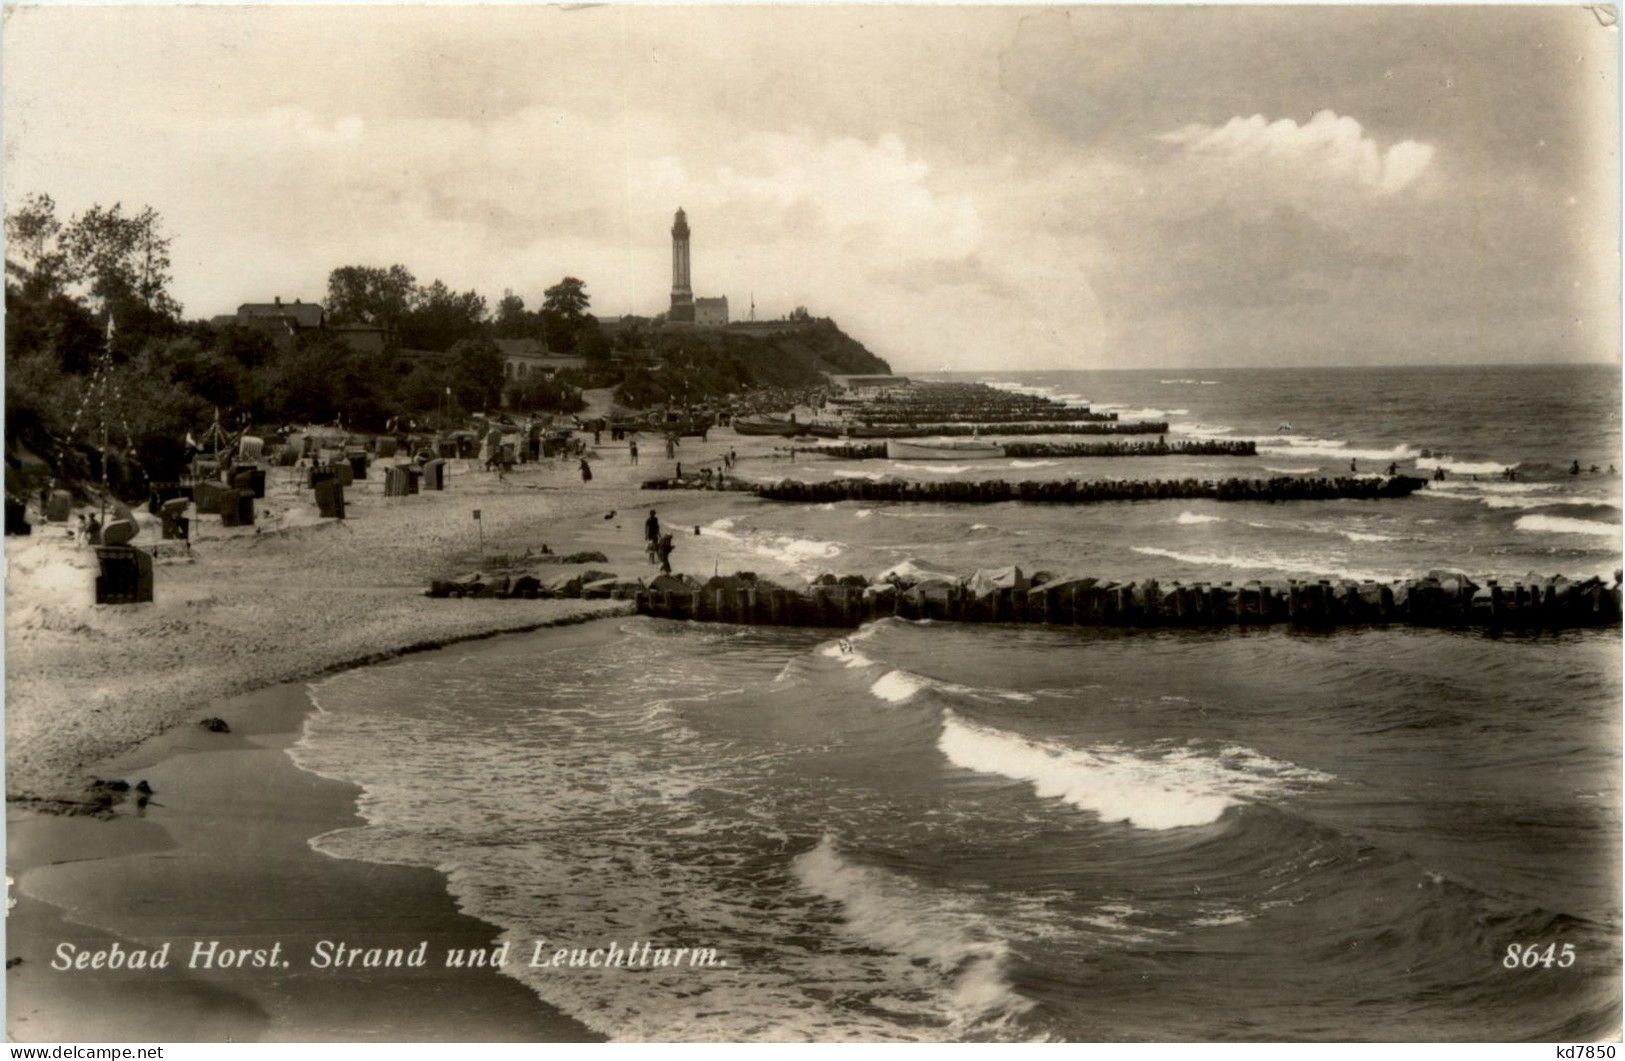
x,y
1157,788
863,513
898,686
1271,562
844,473
938,927
1565,525
792,552
1335,448
1197,517
1198,430
1366,536
1456,467
1190,381
1292,471
932,466
1128,412
1579,500
1032,464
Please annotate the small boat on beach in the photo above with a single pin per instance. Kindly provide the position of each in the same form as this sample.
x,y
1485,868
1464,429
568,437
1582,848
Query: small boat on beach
x,y
970,449
766,425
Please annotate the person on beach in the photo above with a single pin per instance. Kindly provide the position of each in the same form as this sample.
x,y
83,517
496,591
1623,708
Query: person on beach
x,y
632,448
1574,469
731,458
1393,467
671,447
586,471
665,548
1354,465
651,531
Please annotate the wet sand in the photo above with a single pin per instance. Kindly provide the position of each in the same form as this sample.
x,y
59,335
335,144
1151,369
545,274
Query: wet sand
x,y
223,854
223,851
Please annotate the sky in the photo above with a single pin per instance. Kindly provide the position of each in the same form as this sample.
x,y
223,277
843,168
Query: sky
x,y
964,188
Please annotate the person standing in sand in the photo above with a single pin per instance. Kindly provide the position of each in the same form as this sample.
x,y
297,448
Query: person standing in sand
x,y
586,471
664,549
651,532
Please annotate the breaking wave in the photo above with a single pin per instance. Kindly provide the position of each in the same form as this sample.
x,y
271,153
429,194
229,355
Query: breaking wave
x,y
1163,788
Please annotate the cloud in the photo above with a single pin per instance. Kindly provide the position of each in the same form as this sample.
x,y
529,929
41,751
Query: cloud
x,y
1326,150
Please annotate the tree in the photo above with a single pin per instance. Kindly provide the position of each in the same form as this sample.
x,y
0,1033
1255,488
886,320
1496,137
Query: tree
x,y
362,294
512,322
34,256
564,314
567,298
591,343
439,317
476,374
124,260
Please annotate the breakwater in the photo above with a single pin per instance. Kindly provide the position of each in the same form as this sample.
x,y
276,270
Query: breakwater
x,y
1439,600
1083,492
1159,448
949,415
1093,427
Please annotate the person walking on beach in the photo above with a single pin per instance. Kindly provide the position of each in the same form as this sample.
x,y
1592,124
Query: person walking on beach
x,y
651,532
632,448
671,447
586,471
665,548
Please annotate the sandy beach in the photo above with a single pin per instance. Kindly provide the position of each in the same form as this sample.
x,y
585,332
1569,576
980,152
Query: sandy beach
x,y
222,851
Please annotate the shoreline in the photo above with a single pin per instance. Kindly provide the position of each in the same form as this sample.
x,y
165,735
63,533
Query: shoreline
x,y
238,630
225,854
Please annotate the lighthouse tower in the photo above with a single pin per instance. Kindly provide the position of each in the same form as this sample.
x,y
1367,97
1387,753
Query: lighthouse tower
x,y
682,295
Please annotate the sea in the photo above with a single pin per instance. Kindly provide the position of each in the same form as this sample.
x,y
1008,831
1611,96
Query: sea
x,y
924,831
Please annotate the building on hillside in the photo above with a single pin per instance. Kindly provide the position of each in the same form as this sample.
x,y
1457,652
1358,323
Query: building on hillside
x,y
282,321
285,322
524,358
711,312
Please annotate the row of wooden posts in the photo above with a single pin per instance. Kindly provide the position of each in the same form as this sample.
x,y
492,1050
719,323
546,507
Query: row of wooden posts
x,y
1547,604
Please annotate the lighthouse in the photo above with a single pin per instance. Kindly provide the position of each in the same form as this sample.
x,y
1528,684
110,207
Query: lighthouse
x,y
682,295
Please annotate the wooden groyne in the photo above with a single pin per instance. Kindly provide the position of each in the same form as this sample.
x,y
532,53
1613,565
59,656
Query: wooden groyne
x,y
1449,602
1083,492
951,415
1045,427
1194,448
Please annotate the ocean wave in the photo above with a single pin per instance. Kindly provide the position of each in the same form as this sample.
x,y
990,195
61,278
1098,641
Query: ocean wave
x,y
1293,471
935,926
790,551
1200,430
1190,381
1335,448
1456,467
1148,788
940,469
1128,412
1032,464
1566,525
900,686
1271,562
1197,517
1366,536
844,473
